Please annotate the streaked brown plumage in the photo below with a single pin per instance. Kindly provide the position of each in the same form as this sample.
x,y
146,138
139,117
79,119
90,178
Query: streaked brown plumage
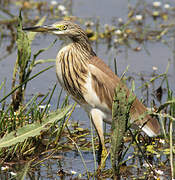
x,y
89,80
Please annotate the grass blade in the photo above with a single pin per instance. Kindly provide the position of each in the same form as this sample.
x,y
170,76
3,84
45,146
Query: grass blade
x,y
32,130
25,82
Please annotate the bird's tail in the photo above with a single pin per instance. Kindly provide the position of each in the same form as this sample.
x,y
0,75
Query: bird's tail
x,y
147,123
151,127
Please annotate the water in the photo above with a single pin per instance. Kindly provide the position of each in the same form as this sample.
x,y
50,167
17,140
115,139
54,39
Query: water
x,y
139,62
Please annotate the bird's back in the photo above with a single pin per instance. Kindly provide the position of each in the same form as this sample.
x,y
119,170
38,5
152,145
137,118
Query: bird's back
x,y
105,82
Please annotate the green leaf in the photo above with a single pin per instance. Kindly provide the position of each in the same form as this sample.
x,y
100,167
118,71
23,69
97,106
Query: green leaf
x,y
41,61
32,130
23,44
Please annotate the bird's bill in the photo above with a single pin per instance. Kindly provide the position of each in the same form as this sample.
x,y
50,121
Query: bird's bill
x,y
44,28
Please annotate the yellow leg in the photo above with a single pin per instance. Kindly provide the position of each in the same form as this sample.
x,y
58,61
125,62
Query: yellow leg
x,y
104,155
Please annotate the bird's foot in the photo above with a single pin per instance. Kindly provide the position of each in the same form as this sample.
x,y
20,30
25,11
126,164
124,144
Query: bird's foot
x,y
104,155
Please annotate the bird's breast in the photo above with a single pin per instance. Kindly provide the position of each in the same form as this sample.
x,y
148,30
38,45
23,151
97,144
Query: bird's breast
x,y
71,73
59,61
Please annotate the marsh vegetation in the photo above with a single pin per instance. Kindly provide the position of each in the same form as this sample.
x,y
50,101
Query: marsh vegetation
x,y
42,134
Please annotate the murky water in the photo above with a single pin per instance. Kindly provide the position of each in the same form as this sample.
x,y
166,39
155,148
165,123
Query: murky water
x,y
139,62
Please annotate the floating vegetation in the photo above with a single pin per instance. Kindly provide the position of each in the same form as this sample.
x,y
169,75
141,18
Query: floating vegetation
x,y
37,141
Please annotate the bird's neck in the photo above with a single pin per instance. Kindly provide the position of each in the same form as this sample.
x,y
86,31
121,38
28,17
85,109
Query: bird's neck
x,y
84,50
80,47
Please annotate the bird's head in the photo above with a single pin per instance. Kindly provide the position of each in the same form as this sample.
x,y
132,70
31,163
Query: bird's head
x,y
61,28
67,30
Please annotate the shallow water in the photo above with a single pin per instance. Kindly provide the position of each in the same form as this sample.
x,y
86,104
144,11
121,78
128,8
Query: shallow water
x,y
139,62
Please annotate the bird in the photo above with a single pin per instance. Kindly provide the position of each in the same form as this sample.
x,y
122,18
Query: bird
x,y
89,81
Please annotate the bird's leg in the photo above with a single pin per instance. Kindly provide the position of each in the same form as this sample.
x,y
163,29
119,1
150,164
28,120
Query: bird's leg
x,y
97,118
99,152
102,155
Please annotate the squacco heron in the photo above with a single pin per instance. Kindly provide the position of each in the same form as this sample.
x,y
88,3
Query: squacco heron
x,y
89,81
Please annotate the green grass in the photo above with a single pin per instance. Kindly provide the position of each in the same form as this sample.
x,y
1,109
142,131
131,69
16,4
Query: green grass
x,y
22,126
34,134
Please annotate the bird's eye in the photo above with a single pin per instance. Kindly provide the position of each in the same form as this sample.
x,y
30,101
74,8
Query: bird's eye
x,y
61,27
64,27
